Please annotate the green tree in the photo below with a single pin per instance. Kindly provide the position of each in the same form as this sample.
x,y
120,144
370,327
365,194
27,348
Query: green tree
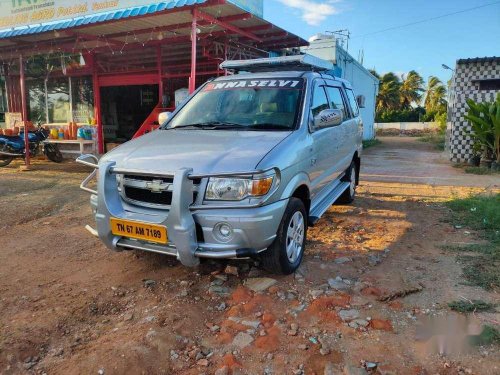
x,y
411,90
389,92
435,96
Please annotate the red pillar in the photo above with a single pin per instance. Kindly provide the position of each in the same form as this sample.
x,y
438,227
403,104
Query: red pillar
x,y
194,36
24,110
97,104
160,75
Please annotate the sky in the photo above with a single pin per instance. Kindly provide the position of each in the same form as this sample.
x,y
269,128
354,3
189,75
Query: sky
x,y
423,47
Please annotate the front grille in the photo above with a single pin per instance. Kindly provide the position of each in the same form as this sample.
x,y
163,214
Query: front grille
x,y
135,189
141,195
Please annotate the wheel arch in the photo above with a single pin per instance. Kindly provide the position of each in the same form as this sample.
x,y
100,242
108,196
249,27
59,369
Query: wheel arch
x,y
299,187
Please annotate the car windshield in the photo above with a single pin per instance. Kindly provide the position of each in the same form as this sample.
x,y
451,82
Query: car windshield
x,y
242,104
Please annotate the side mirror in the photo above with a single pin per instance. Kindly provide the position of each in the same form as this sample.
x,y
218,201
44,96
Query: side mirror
x,y
163,117
361,101
328,118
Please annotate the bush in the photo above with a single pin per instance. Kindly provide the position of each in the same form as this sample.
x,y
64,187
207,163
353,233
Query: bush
x,y
441,119
404,115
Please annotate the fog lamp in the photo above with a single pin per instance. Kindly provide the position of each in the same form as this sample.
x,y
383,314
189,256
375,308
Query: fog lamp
x,y
223,232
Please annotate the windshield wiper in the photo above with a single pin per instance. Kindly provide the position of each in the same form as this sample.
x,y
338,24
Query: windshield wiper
x,y
212,125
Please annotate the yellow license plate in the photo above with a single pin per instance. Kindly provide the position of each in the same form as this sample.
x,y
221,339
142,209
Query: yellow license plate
x,y
139,231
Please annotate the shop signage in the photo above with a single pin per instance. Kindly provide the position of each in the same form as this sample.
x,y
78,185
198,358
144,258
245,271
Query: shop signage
x,y
16,13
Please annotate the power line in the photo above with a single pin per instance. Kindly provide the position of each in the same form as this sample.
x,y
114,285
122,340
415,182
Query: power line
x,y
427,20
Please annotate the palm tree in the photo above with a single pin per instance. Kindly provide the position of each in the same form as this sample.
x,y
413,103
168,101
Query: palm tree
x,y
435,96
388,96
411,89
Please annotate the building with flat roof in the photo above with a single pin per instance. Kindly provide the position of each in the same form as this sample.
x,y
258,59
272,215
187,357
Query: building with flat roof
x,y
115,65
363,82
477,79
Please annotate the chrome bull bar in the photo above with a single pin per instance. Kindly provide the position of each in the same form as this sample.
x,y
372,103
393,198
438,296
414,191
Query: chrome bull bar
x,y
182,228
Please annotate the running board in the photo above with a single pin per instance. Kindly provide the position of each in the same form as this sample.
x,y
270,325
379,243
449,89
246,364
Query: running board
x,y
327,201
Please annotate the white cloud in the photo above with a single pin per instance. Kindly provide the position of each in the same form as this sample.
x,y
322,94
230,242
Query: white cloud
x,y
313,12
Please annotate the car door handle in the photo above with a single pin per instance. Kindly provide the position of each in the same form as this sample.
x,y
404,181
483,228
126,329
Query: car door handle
x,y
313,161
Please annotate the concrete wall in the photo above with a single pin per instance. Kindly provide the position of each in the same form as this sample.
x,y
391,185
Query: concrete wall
x,y
407,125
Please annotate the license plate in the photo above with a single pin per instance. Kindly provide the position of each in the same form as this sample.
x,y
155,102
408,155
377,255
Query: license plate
x,y
139,231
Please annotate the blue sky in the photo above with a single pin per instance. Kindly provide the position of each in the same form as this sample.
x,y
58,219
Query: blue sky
x,y
423,47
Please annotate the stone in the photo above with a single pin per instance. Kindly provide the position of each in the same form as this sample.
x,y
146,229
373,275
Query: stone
x,y
361,322
370,366
338,285
222,371
315,293
203,362
149,283
343,260
221,307
215,328
100,371
217,282
242,340
218,290
374,260
294,328
324,351
348,315
259,284
251,323
231,270
303,347
128,316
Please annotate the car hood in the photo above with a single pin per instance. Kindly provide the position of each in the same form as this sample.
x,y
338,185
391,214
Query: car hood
x,y
205,151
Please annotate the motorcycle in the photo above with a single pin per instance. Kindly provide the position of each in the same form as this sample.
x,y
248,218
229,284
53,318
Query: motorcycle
x,y
13,146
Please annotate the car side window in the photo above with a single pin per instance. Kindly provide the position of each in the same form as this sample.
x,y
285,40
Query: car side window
x,y
337,101
319,100
352,102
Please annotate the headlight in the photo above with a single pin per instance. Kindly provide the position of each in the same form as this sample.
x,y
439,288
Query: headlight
x,y
237,189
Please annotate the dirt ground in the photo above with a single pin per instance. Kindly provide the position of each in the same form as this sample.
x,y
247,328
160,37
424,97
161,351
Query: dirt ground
x,y
70,306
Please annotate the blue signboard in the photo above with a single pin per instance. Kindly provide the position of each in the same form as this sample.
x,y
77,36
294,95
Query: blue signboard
x,y
253,6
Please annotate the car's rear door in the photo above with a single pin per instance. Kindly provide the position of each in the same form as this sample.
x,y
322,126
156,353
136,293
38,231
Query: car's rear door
x,y
357,131
324,167
343,136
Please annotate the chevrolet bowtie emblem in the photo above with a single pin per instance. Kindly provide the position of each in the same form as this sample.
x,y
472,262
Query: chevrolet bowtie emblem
x,y
157,186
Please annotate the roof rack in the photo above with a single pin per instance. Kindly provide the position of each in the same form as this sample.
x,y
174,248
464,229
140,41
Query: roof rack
x,y
306,63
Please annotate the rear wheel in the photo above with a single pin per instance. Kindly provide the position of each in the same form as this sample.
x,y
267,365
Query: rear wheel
x,y
5,160
285,254
349,194
52,152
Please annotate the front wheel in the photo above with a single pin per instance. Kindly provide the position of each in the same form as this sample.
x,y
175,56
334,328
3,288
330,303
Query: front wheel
x,y
5,160
286,252
53,154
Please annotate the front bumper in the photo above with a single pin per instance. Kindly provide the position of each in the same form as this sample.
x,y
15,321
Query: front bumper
x,y
253,228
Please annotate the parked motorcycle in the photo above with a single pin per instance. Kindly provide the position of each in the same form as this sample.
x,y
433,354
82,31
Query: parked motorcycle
x,y
13,147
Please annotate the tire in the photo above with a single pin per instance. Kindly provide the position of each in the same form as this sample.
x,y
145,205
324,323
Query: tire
x,y
349,194
53,154
5,160
276,259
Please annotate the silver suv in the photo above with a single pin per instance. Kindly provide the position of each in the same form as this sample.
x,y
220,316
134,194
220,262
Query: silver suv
x,y
239,170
